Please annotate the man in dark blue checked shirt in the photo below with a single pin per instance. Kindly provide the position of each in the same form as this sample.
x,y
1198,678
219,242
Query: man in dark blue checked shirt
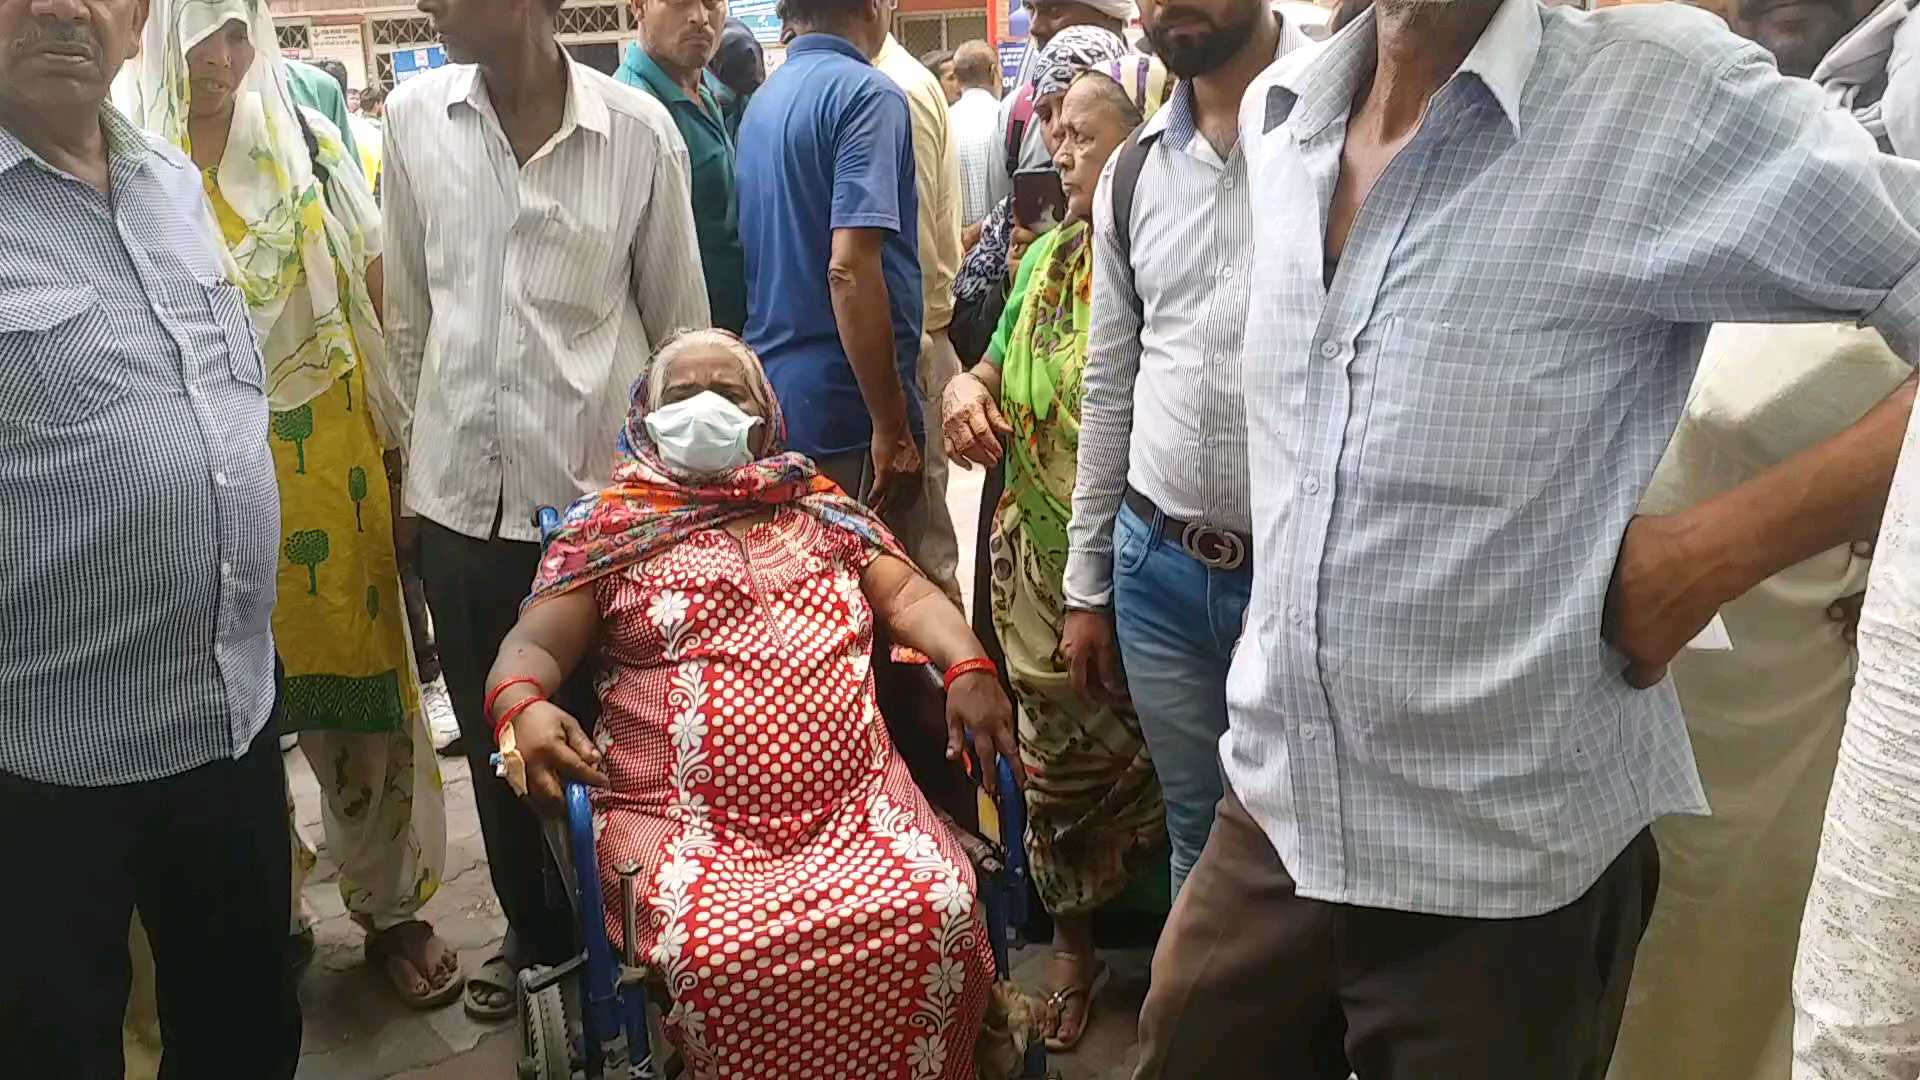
x,y
138,521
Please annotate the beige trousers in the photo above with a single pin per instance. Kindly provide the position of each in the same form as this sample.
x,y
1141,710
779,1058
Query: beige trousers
x,y
938,550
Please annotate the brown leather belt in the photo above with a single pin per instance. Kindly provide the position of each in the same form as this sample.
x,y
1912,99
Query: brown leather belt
x,y
1218,549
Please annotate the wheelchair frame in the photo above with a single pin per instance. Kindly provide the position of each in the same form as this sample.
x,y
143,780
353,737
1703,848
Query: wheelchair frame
x,y
613,1000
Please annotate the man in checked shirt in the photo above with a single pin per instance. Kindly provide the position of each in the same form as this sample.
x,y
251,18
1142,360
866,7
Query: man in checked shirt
x,y
1489,239
139,520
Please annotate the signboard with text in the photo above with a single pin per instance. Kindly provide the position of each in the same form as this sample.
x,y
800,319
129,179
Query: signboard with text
x,y
761,16
410,62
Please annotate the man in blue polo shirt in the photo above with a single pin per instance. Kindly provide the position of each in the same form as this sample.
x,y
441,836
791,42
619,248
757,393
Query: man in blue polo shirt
x,y
828,219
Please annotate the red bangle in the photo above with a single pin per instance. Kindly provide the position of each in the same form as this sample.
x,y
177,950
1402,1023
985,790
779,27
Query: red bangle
x,y
968,667
516,709
493,697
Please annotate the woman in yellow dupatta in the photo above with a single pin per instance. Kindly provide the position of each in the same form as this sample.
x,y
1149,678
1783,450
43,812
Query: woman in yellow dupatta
x,y
302,237
1095,817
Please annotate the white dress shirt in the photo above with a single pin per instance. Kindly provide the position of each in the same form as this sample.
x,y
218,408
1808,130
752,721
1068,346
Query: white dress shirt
x,y
524,301
1162,409
973,122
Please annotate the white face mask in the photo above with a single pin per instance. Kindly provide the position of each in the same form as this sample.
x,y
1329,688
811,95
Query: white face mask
x,y
703,435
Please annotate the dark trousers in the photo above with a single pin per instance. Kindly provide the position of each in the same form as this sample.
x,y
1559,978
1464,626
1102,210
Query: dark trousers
x,y
475,588
1250,980
204,854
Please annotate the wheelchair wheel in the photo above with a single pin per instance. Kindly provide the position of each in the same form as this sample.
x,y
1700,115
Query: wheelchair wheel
x,y
545,1045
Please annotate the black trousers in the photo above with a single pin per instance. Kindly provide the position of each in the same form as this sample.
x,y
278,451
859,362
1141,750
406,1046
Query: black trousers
x,y
475,588
205,856
1252,980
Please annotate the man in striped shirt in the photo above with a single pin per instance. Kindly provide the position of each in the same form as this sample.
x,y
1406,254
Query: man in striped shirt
x,y
1163,450
140,520
540,244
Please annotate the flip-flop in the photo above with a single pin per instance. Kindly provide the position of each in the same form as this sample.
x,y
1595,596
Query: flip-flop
x,y
495,975
1058,1000
379,952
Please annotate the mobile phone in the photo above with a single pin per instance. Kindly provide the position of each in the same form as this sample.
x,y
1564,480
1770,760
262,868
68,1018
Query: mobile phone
x,y
1039,204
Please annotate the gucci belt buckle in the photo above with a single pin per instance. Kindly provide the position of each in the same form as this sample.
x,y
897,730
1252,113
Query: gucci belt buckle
x,y
1216,548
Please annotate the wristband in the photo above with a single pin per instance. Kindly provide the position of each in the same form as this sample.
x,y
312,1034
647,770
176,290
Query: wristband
x,y
968,667
493,698
517,708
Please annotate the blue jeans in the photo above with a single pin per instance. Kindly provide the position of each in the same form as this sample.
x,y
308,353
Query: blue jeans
x,y
1178,621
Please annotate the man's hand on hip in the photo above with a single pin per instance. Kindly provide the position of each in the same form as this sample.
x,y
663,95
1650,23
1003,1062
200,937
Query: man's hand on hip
x,y
1661,596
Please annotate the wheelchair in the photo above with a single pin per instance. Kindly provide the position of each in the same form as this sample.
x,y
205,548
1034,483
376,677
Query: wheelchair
x,y
590,1017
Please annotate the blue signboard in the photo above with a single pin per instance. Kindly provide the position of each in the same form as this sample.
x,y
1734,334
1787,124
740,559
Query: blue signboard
x,y
761,16
1013,47
410,62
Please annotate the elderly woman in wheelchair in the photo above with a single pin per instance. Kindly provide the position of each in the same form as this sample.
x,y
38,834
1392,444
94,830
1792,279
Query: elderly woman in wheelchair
x,y
808,912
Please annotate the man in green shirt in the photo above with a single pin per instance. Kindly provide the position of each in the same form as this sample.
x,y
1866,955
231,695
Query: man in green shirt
x,y
677,38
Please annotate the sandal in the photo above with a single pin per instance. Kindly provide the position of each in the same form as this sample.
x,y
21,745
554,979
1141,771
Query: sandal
x,y
383,951
1060,998
494,977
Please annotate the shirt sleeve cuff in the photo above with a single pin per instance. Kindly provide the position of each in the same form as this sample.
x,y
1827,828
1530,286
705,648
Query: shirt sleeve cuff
x,y
1898,317
1089,579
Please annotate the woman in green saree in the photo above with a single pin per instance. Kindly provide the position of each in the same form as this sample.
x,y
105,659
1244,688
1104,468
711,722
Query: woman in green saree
x,y
1095,818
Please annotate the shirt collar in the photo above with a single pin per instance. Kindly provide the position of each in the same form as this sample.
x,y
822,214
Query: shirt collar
x,y
126,146
817,42
1322,90
641,63
1175,120
585,107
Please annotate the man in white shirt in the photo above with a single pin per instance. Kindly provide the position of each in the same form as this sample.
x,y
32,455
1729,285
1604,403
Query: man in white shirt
x,y
973,120
1017,144
1163,441
936,182
540,244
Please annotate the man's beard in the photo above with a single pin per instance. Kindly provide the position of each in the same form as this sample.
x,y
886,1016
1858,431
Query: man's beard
x,y
1192,54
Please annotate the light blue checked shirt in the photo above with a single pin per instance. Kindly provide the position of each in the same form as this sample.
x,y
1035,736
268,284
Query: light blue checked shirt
x,y
1448,443
139,513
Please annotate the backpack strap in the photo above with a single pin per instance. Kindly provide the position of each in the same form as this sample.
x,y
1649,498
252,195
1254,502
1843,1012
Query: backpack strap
x,y
1017,123
1126,180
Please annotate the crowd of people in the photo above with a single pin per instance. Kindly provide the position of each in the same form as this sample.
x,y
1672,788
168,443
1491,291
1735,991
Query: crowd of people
x,y
1381,420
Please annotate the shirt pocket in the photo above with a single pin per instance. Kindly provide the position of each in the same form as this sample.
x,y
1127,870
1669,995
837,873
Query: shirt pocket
x,y
58,364
235,322
1469,418
573,272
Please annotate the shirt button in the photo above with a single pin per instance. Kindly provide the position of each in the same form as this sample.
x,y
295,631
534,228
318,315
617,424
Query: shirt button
x,y
193,392
1226,271
1293,615
1307,731
1329,349
226,569
1229,183
220,478
1310,486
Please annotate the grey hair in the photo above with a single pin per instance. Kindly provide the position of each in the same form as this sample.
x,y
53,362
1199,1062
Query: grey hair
x,y
686,341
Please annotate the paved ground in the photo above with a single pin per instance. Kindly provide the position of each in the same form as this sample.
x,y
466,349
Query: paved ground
x,y
357,1030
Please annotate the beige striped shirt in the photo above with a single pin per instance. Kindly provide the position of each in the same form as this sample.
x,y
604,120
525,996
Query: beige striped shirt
x,y
523,301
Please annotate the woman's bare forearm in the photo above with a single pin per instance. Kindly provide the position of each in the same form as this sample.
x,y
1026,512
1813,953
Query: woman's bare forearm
x,y
546,645
918,614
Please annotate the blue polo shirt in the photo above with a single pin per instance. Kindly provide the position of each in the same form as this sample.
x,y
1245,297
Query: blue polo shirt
x,y
827,145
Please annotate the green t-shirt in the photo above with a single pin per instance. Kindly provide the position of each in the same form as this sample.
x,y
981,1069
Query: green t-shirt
x,y
315,89
716,201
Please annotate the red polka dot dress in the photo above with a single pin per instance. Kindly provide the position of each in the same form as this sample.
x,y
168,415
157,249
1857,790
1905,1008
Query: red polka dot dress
x,y
811,915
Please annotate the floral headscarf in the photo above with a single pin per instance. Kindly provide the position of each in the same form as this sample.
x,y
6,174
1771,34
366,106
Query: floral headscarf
x,y
649,508
314,322
1070,52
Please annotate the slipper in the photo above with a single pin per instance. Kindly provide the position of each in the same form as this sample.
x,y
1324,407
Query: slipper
x,y
1058,1001
495,975
379,955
